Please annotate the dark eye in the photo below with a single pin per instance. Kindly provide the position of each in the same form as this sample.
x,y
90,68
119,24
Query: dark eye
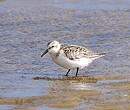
x,y
52,46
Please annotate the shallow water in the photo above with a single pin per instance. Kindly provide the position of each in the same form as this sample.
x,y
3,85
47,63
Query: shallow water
x,y
25,29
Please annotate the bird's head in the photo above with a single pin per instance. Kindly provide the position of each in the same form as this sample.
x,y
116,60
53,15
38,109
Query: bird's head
x,y
52,48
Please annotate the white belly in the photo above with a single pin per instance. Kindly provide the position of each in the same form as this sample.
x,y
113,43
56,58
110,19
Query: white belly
x,y
71,64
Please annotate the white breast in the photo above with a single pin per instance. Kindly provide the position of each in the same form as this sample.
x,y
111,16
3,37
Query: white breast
x,y
65,62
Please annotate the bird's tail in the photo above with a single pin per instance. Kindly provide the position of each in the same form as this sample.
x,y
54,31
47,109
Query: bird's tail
x,y
98,56
101,54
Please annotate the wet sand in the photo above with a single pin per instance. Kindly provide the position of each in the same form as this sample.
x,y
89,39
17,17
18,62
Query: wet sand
x,y
29,82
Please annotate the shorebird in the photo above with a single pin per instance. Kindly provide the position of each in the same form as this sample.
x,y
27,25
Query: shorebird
x,y
70,56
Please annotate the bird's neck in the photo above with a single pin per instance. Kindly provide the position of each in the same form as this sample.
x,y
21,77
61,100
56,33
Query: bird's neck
x,y
54,53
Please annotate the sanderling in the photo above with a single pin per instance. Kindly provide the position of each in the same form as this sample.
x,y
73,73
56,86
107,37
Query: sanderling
x,y
70,56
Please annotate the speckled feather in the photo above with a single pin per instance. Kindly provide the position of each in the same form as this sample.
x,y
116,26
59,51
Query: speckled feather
x,y
76,52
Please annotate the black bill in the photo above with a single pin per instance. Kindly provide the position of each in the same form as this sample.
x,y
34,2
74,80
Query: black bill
x,y
44,52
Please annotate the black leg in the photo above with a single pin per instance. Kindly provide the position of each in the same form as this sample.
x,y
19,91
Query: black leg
x,y
77,72
67,72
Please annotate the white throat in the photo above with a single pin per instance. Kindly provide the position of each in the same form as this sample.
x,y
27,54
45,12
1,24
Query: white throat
x,y
54,51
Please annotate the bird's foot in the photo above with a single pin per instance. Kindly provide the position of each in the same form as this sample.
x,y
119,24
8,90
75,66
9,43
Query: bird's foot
x,y
66,75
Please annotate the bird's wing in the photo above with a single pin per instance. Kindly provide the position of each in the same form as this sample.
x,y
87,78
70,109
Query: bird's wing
x,y
77,52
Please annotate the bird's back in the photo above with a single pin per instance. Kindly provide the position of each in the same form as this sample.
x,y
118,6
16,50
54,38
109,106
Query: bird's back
x,y
76,52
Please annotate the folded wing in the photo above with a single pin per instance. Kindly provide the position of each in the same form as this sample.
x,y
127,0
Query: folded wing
x,y
76,52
